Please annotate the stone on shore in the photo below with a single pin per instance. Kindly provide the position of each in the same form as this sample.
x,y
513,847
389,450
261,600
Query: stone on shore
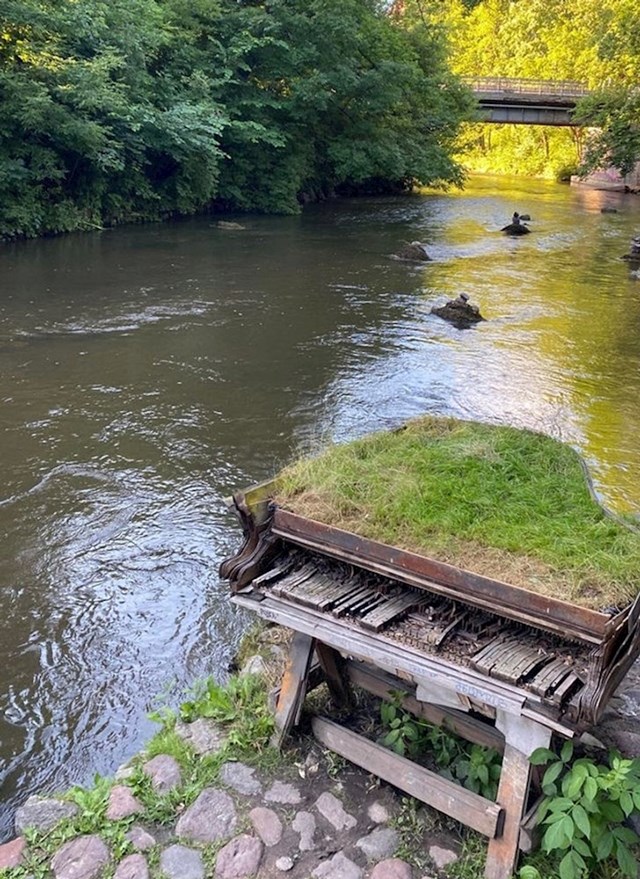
x,y
392,868
255,665
239,858
281,792
140,839
164,773
332,809
204,735
442,857
132,867
378,813
241,778
210,818
284,864
338,867
122,803
180,862
267,825
379,844
304,823
82,858
11,852
43,813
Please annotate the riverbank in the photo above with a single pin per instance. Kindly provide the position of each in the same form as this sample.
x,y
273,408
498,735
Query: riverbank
x,y
208,797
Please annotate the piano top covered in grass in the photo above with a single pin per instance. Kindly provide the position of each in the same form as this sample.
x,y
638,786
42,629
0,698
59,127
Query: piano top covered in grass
x,y
510,504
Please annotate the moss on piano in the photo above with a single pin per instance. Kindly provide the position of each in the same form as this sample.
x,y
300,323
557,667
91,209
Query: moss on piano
x,y
511,504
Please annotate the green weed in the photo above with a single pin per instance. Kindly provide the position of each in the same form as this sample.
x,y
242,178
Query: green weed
x,y
583,814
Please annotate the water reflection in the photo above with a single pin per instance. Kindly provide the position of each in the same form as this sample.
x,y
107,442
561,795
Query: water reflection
x,y
149,371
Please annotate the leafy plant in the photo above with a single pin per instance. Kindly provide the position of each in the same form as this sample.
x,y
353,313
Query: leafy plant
x,y
480,771
475,767
584,809
404,733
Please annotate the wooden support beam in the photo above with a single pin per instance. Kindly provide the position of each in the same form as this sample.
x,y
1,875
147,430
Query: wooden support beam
x,y
452,799
522,737
332,665
382,684
293,686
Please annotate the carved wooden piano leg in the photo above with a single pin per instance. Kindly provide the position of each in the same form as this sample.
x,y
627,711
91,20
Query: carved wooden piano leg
x,y
332,665
522,737
293,686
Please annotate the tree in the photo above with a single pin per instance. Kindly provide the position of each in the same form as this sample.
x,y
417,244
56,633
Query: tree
x,y
614,139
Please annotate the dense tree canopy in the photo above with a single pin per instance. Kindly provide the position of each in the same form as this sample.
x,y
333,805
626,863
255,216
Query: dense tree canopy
x,y
118,110
597,44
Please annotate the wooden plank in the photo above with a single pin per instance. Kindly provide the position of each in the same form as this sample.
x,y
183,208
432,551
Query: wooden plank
x,y
509,601
333,668
502,854
550,676
382,684
522,737
446,796
383,615
293,686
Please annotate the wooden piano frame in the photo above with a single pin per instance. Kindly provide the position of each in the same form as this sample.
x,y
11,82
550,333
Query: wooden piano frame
x,y
513,720
383,667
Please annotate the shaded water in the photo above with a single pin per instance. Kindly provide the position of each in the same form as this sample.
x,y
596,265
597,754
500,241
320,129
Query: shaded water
x,y
148,372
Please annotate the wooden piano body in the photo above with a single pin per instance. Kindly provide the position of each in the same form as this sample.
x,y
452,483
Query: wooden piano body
x,y
500,665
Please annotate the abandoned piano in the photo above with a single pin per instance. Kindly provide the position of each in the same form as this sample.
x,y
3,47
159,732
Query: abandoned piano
x,y
500,665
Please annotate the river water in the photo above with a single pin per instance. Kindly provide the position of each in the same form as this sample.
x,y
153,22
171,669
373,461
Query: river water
x,y
147,372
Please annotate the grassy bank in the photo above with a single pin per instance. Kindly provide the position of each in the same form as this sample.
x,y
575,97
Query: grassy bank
x,y
508,503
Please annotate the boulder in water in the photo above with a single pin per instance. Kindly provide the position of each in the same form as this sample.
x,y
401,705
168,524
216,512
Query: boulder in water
x,y
634,253
225,224
459,312
414,251
515,229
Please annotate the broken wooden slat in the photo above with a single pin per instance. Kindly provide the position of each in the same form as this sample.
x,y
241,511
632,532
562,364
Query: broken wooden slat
x,y
446,796
549,677
520,661
293,686
383,615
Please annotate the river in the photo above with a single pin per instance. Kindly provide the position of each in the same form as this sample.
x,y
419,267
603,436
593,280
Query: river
x,y
147,372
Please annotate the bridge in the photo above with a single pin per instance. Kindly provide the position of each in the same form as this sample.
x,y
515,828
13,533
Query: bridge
x,y
526,101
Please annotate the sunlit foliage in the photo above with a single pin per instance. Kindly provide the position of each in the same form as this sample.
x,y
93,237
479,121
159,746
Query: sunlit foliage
x,y
597,44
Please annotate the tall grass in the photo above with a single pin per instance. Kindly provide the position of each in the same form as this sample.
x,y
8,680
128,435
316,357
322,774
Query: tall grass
x,y
510,503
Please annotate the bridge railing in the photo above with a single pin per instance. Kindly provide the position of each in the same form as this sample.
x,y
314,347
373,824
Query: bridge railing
x,y
506,84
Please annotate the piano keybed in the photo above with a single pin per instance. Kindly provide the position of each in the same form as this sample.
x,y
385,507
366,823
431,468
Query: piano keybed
x,y
553,668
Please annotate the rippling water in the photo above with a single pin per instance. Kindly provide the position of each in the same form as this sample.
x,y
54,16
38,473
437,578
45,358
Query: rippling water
x,y
148,372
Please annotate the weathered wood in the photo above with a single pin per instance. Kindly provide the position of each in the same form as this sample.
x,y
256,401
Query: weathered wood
x,y
530,830
502,854
382,684
333,667
402,660
446,796
509,601
293,686
522,737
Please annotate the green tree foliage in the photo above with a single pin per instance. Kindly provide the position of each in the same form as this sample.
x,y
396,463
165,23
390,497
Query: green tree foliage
x,y
613,116
597,44
118,110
